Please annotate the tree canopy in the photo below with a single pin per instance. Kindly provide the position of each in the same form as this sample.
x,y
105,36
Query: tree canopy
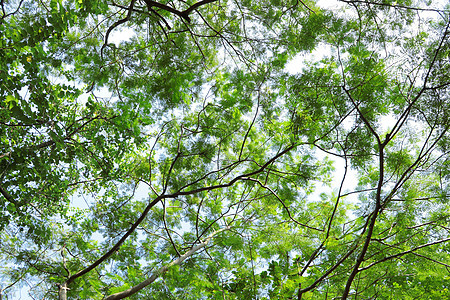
x,y
221,149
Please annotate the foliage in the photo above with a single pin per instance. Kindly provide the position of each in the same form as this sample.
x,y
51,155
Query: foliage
x,y
225,149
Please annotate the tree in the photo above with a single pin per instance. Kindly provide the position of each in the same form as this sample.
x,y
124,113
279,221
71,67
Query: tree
x,y
225,149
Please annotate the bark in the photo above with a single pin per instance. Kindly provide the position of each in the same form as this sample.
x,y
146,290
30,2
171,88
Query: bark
x,y
62,293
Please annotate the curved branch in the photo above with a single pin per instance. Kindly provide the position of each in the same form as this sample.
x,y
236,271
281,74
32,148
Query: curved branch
x,y
164,269
5,15
7,195
197,5
183,14
252,123
406,252
282,203
126,19
391,5
117,245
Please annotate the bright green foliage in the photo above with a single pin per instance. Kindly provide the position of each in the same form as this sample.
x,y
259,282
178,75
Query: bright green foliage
x,y
224,149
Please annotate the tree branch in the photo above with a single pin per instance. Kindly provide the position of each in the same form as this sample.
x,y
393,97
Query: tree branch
x,y
126,19
282,203
183,14
405,252
197,5
163,269
117,245
390,5
170,9
7,195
